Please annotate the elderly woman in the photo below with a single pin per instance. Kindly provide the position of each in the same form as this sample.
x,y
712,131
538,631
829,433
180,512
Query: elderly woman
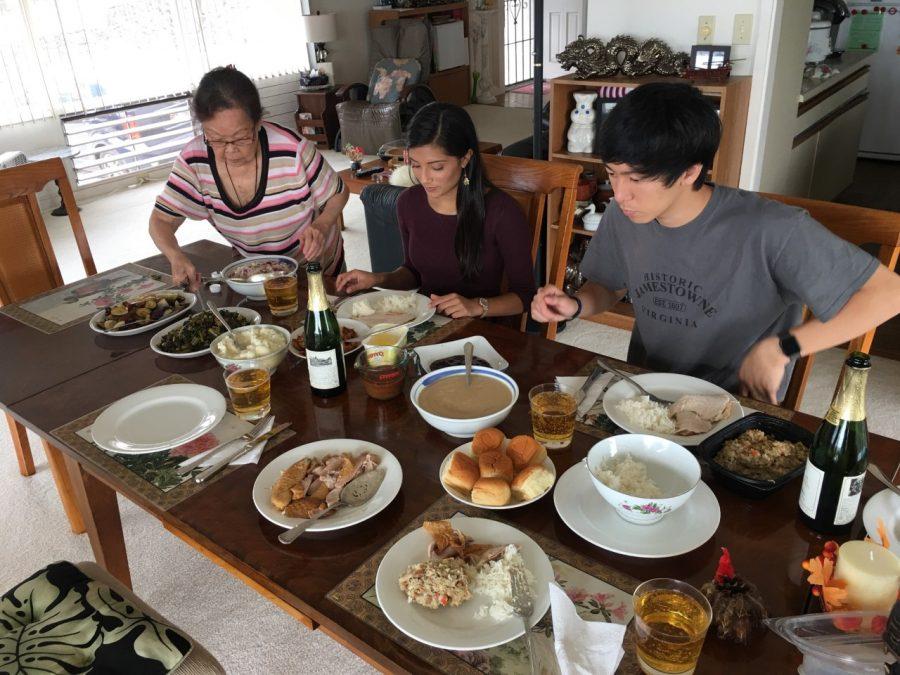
x,y
264,188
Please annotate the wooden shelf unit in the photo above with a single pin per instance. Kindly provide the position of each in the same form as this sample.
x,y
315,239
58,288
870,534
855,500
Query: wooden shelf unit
x,y
732,98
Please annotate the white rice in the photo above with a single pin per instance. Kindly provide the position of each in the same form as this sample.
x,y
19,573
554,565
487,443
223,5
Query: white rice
x,y
629,476
398,304
492,580
647,414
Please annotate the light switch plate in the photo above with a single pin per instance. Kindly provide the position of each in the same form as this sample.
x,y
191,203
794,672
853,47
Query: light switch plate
x,y
706,29
743,29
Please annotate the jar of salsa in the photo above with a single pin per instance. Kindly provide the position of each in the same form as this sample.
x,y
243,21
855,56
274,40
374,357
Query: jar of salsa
x,y
383,371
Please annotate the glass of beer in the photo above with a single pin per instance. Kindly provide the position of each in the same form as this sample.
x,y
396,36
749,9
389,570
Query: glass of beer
x,y
250,391
281,292
552,415
670,623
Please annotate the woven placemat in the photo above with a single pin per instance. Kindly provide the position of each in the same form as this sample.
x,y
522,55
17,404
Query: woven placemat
x,y
151,475
599,593
75,303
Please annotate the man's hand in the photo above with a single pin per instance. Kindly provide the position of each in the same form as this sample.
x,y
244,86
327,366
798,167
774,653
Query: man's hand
x,y
184,272
312,242
455,306
762,370
355,281
551,304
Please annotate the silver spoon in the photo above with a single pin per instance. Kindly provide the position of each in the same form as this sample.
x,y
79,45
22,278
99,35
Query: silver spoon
x,y
879,474
469,351
358,491
221,319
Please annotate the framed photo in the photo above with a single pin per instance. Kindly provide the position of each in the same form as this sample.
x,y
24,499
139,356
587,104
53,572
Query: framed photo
x,y
710,57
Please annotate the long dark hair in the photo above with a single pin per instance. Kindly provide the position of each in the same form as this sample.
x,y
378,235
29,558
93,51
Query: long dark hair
x,y
224,88
450,128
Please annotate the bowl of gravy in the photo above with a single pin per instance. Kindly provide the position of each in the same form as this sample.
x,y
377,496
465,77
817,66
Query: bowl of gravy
x,y
447,403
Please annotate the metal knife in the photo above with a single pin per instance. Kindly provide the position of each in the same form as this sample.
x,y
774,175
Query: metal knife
x,y
247,447
589,382
194,462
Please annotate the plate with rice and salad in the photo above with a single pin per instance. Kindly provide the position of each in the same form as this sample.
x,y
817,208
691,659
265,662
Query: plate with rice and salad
x,y
698,409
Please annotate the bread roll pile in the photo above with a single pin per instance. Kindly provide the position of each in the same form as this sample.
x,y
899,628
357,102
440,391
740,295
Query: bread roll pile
x,y
493,475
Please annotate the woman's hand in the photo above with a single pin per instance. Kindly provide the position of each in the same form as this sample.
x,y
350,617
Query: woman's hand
x,y
551,304
312,242
456,306
355,281
184,272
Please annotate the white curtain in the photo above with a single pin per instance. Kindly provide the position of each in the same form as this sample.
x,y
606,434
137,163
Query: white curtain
x,y
69,56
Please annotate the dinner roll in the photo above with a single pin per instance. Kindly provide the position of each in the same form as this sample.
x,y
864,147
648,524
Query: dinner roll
x,y
531,482
461,472
487,439
494,464
491,492
524,450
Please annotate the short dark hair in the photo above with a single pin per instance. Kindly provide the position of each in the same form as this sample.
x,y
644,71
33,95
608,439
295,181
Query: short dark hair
x,y
224,88
661,129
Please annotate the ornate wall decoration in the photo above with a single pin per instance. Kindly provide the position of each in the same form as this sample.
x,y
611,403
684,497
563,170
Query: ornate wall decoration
x,y
590,57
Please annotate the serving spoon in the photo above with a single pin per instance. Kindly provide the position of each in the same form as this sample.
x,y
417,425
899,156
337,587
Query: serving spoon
x,y
469,351
221,319
879,474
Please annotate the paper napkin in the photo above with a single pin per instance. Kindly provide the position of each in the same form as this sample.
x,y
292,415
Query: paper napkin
x,y
212,456
573,384
583,647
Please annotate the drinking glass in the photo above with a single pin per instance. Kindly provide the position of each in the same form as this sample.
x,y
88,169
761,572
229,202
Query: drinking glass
x,y
281,293
552,415
670,622
250,391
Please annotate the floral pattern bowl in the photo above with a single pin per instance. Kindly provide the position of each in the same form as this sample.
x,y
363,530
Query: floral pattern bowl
x,y
672,467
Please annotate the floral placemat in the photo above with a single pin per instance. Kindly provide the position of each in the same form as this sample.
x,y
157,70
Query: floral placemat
x,y
74,303
154,475
600,593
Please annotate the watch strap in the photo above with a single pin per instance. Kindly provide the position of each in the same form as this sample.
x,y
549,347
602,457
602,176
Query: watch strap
x,y
789,345
580,306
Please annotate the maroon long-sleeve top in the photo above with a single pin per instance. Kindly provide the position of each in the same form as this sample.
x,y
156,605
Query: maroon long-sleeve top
x,y
428,245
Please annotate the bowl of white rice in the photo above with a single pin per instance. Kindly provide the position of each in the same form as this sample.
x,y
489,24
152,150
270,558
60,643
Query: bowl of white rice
x,y
642,477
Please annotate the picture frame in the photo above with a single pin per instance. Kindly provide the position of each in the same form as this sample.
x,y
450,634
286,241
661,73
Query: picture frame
x,y
710,57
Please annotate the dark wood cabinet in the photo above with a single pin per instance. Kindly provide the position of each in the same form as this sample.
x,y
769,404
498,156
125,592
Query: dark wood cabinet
x,y
320,105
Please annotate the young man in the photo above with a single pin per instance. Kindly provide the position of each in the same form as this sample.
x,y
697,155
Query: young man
x,y
718,277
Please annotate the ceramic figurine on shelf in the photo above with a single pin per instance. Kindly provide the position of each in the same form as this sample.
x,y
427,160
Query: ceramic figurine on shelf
x,y
581,131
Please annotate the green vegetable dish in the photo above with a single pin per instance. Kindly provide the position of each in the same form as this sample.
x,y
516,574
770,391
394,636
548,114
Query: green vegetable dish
x,y
198,332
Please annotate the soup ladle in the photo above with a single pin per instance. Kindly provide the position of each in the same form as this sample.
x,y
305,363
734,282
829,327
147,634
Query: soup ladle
x,y
469,351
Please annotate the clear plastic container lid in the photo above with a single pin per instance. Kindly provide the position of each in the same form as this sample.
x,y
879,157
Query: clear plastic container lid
x,y
837,642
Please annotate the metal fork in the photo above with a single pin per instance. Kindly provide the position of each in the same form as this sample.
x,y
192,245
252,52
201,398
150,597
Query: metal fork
x,y
523,605
653,397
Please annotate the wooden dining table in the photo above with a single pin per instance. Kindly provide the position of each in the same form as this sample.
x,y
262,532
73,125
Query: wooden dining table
x,y
766,539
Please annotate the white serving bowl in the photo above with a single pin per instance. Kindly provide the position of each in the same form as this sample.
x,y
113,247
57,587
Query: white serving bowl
x,y
269,361
253,289
672,467
463,428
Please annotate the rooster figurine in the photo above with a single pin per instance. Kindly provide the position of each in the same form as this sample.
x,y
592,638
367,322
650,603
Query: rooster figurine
x,y
737,606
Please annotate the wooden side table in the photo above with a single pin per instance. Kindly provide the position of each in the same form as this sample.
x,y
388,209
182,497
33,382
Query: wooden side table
x,y
321,106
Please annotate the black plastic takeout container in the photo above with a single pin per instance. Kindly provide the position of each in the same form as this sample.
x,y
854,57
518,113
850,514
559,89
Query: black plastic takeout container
x,y
777,428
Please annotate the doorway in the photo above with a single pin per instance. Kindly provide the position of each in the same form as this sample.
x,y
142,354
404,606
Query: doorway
x,y
518,42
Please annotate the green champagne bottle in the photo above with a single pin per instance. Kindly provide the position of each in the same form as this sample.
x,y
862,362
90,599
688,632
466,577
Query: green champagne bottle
x,y
836,467
324,347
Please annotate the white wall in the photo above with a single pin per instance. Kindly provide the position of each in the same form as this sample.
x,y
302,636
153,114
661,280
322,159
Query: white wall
x,y
349,54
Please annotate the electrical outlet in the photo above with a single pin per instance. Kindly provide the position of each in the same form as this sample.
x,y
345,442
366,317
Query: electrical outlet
x,y
743,29
706,29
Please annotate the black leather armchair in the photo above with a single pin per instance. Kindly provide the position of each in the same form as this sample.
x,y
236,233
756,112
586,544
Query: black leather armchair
x,y
385,244
525,147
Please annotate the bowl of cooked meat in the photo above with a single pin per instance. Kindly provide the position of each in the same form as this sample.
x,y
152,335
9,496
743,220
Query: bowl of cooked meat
x,y
246,276
757,455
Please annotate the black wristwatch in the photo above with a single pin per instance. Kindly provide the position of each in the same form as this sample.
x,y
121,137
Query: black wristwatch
x,y
789,345
580,306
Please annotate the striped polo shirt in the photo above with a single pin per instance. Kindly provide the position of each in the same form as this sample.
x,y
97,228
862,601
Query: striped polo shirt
x,y
296,183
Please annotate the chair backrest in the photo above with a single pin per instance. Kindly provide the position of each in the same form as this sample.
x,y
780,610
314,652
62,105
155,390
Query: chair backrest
x,y
28,265
530,182
390,77
858,225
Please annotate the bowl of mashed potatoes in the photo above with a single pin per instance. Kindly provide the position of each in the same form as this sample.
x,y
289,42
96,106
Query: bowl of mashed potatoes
x,y
262,346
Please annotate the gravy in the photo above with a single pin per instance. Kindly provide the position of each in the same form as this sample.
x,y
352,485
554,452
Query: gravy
x,y
451,397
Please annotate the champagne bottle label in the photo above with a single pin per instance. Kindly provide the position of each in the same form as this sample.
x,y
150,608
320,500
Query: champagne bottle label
x,y
323,368
848,502
812,489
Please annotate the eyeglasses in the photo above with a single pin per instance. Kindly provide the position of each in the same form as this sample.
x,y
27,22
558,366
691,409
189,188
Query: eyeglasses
x,y
245,142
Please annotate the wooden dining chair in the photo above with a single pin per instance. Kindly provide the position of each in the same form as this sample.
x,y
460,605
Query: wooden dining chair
x,y
28,266
859,226
531,182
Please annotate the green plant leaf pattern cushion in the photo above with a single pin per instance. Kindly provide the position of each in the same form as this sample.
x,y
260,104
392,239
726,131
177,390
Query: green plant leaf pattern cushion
x,y
61,621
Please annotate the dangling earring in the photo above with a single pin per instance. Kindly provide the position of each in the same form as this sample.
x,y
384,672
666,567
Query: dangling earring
x,y
466,181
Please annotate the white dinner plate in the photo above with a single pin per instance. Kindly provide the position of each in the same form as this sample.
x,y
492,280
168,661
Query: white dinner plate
x,y
345,517
884,505
456,627
155,325
156,340
158,418
590,517
483,350
362,331
423,312
669,386
465,497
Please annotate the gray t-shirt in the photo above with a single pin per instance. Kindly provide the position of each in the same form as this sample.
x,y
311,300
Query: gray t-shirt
x,y
706,292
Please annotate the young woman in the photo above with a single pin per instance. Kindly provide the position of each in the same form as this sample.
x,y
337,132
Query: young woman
x,y
263,187
461,235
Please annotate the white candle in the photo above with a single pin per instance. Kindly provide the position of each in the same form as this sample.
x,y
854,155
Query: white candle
x,y
872,574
